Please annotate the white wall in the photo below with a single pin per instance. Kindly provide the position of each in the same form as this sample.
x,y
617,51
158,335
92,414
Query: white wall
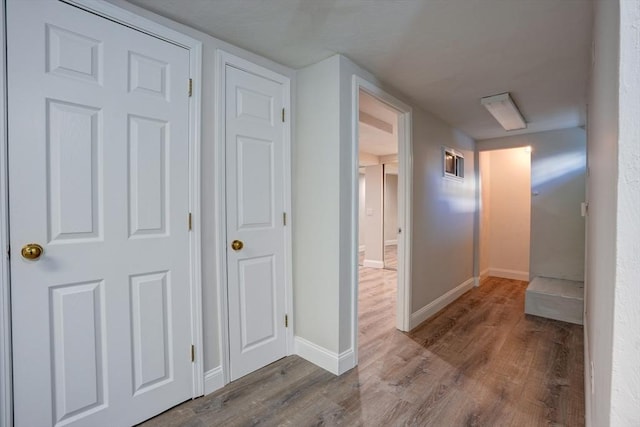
x,y
361,200
373,225
508,198
558,171
443,210
484,223
625,381
210,282
613,266
390,207
316,205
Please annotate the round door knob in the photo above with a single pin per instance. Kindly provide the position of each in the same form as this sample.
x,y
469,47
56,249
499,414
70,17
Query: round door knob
x,y
32,251
236,245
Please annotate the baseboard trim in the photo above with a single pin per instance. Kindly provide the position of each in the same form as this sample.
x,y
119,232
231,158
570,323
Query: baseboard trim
x,y
391,242
328,360
509,274
480,279
435,306
213,380
588,375
372,264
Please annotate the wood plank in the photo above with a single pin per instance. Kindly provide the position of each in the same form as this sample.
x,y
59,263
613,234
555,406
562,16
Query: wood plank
x,y
479,361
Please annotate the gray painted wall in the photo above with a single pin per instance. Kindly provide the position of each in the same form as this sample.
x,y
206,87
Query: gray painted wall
x,y
390,207
558,176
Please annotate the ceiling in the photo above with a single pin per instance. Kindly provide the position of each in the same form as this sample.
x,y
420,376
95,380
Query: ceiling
x,y
378,127
444,55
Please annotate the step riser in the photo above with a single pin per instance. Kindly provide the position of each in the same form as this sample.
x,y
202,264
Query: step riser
x,y
556,299
554,307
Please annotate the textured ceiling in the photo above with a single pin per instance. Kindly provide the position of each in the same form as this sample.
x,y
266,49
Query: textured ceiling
x,y
444,55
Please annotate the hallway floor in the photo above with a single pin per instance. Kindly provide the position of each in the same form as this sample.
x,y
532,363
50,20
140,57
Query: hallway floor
x,y
479,362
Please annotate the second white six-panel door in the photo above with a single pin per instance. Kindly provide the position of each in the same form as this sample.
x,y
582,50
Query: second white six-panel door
x,y
254,136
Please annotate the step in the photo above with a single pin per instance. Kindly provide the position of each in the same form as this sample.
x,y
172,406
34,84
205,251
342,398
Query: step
x,y
556,299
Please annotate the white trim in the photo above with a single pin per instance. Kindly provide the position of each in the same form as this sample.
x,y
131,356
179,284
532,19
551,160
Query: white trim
x,y
213,380
435,306
588,377
391,242
328,360
480,278
509,274
361,248
222,59
6,386
405,191
131,20
372,263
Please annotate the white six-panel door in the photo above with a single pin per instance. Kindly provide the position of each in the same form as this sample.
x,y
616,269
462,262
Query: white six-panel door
x,y
254,136
98,171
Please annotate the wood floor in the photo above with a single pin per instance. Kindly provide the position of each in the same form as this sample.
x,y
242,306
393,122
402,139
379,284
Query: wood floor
x,y
479,362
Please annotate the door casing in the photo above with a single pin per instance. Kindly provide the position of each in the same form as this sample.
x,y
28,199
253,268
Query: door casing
x,y
144,25
222,60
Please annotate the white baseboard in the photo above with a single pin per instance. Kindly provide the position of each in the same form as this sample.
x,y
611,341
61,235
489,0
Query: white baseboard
x,y
588,389
361,248
509,274
328,360
373,264
435,306
213,380
483,275
390,242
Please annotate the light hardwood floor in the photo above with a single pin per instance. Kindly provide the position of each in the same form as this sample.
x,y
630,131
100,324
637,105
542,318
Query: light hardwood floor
x,y
479,362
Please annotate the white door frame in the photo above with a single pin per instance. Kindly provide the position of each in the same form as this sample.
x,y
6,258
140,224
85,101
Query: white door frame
x,y
144,25
224,59
405,189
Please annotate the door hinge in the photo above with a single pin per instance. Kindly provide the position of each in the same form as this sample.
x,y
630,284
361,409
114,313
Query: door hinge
x,y
190,87
190,222
9,252
286,320
193,353
284,218
283,115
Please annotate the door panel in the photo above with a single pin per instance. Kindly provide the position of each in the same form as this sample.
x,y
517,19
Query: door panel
x,y
255,203
99,177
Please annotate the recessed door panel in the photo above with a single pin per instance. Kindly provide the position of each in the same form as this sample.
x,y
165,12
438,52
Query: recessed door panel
x,y
151,330
73,55
257,296
78,339
74,164
253,105
148,176
255,182
148,75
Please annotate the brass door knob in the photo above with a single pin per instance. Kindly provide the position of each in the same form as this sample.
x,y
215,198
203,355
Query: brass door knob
x,y
236,245
32,251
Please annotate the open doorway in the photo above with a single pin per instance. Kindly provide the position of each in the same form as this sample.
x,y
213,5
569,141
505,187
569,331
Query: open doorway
x,y
505,214
378,214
